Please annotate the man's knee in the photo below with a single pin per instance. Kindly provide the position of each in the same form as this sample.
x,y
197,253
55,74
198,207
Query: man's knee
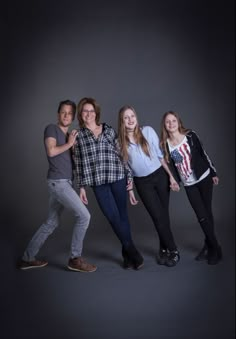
x,y
83,217
50,225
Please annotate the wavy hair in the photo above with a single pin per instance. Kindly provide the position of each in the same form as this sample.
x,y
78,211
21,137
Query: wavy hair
x,y
123,138
164,135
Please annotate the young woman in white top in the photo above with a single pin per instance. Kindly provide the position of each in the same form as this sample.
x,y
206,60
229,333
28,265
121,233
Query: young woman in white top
x,y
139,147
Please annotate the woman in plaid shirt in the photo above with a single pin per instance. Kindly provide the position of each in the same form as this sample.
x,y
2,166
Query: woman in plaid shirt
x,y
98,164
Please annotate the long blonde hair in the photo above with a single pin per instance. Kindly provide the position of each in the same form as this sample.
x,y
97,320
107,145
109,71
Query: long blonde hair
x,y
164,135
123,138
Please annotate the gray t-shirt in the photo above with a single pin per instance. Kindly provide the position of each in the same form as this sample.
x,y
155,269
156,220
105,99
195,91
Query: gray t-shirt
x,y
60,166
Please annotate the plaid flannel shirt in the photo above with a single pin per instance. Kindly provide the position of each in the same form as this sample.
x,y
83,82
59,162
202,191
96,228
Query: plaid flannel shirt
x,y
97,160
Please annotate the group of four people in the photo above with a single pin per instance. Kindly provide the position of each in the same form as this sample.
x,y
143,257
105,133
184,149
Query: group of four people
x,y
110,163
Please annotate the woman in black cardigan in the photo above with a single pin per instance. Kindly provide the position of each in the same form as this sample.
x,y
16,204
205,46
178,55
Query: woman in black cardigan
x,y
191,165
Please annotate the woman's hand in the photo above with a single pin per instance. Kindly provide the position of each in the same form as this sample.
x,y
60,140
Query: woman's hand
x,y
132,198
215,180
174,185
83,196
129,186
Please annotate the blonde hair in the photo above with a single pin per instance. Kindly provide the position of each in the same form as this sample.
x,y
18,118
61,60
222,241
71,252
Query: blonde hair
x,y
123,138
164,135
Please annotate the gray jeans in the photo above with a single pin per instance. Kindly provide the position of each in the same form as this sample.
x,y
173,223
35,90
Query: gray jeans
x,y
62,195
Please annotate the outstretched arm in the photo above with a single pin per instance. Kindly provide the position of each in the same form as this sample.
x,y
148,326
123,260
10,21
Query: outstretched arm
x,y
132,198
173,183
205,154
128,170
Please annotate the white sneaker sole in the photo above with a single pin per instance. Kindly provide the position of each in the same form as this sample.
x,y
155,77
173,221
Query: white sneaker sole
x,y
30,267
78,270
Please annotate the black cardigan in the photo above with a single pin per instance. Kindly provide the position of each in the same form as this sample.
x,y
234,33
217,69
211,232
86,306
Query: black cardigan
x,y
200,160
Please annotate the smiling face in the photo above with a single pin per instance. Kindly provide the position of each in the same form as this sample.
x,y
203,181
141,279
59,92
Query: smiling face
x,y
88,114
65,115
171,123
129,119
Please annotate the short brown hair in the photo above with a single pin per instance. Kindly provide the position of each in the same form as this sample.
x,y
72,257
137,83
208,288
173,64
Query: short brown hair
x,y
80,106
69,103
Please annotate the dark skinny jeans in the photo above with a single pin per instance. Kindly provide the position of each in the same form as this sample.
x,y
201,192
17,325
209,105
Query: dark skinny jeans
x,y
200,198
154,192
112,199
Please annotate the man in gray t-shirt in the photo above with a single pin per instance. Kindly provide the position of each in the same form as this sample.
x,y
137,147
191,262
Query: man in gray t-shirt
x,y
60,166
58,143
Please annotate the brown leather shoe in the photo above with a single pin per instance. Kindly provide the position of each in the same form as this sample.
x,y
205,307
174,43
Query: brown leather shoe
x,y
80,265
26,265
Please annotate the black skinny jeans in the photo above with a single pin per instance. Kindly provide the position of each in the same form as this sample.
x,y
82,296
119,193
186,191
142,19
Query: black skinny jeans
x,y
200,198
154,192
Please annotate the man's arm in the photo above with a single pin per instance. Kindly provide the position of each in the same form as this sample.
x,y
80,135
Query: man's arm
x,y
52,148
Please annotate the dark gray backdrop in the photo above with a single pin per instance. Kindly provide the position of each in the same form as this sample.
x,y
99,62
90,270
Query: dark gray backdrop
x,y
154,55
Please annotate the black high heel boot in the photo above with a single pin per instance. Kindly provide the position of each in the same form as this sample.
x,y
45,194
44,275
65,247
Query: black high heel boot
x,y
135,257
127,263
203,254
214,255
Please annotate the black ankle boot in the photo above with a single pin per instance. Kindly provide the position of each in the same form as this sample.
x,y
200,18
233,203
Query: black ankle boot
x,y
172,258
203,254
162,256
214,255
127,263
135,257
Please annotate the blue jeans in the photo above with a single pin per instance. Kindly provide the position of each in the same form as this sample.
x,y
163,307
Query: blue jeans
x,y
112,199
61,195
